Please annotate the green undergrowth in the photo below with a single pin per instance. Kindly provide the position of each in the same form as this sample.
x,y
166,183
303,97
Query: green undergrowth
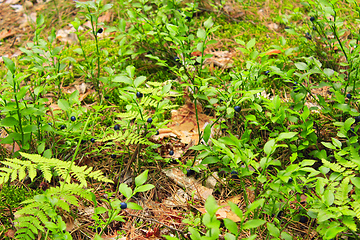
x,y
283,133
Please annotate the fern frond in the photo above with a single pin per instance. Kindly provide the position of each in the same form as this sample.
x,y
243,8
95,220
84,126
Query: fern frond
x,y
128,115
333,166
356,206
126,138
147,102
17,169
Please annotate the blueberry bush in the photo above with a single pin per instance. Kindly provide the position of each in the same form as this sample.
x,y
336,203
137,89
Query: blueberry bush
x,y
278,81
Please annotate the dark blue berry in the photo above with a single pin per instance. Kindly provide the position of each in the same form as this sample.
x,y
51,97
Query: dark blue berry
x,y
171,152
149,120
188,18
267,72
312,19
303,219
308,36
100,30
348,96
123,205
176,59
314,28
73,118
116,127
237,108
190,172
290,180
113,156
139,95
157,132
106,97
357,119
234,175
83,141
62,127
92,140
50,123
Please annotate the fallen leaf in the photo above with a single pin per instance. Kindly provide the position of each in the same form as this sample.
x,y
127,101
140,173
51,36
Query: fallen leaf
x,y
191,185
273,52
6,33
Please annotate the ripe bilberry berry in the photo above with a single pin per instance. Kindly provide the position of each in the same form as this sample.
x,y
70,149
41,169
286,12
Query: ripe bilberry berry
x,y
92,140
73,118
171,152
176,59
62,127
348,96
237,108
139,95
123,205
149,120
189,172
312,18
100,30
357,119
308,36
116,127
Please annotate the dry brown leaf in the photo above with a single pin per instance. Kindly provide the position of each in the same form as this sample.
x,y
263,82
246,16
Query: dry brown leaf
x,y
6,33
273,52
105,18
67,35
190,184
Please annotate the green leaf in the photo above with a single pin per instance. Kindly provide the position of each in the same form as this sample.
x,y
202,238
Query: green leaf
x,y
328,145
328,197
130,71
144,188
63,104
41,148
336,142
286,236
273,230
251,43
141,179
201,33
139,80
348,123
9,64
236,209
195,235
211,205
125,190
286,135
254,205
301,66
9,122
134,206
229,236
231,226
254,223
119,218
210,160
208,23
269,147
207,132
51,225
100,210
123,79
